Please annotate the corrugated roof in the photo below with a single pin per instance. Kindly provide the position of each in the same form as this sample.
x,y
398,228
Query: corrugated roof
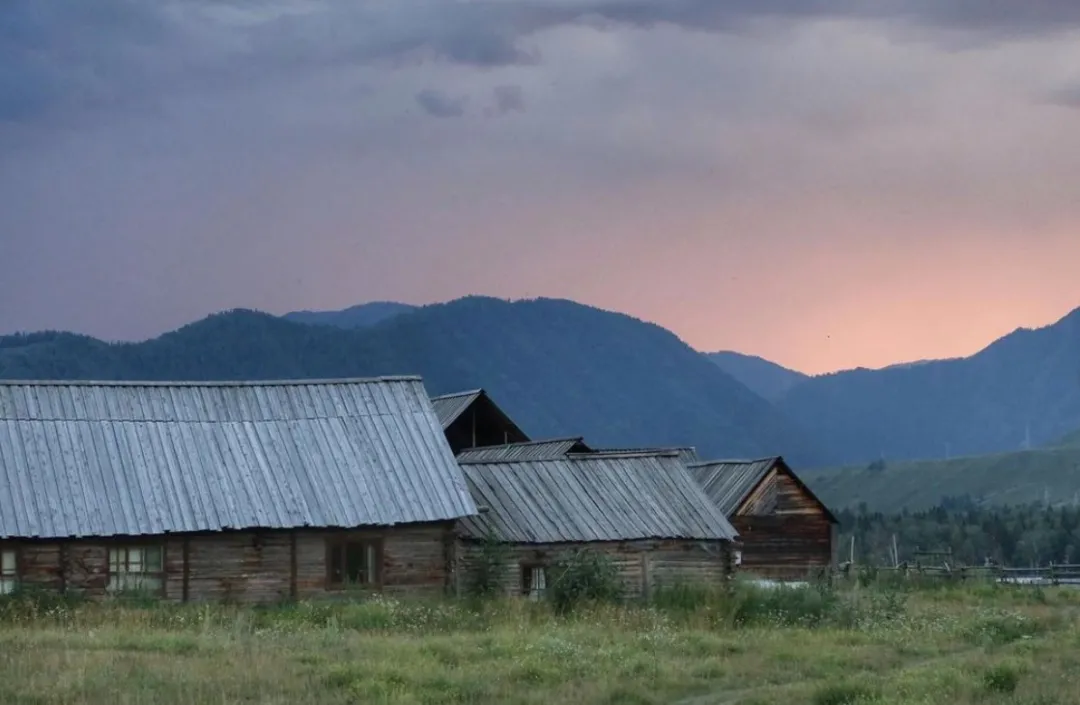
x,y
688,454
728,482
591,497
132,458
531,450
448,407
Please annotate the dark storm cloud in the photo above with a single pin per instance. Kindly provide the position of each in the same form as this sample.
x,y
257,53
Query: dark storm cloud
x,y
60,57
439,104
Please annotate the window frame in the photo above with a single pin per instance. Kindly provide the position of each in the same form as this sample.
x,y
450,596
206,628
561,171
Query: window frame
x,y
527,567
126,546
16,579
342,541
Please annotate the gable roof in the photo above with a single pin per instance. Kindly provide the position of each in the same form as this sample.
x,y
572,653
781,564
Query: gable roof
x,y
450,407
591,497
530,450
140,458
729,482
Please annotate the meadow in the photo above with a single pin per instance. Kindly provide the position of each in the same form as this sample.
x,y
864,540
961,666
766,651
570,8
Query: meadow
x,y
860,644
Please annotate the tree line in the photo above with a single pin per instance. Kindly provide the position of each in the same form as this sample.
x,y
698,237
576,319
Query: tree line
x,y
1018,536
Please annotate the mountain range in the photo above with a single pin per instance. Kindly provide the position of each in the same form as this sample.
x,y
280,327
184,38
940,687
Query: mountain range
x,y
559,368
565,368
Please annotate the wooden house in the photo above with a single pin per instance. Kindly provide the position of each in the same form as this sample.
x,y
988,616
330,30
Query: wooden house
x,y
251,491
785,531
641,508
472,419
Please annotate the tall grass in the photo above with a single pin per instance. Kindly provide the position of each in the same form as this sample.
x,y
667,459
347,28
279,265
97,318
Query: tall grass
x,y
813,644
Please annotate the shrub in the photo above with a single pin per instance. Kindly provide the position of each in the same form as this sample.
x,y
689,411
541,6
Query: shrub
x,y
1002,678
582,576
488,568
844,694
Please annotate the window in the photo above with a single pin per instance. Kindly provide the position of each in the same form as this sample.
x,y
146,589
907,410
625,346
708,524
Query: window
x,y
9,571
137,568
354,563
533,581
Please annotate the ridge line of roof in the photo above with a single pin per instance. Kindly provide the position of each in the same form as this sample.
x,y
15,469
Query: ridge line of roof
x,y
454,395
210,383
543,441
741,461
588,455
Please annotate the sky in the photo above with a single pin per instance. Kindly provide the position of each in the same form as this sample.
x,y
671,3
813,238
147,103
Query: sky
x,y
824,183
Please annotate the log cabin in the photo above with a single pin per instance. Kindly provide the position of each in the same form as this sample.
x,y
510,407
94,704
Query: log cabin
x,y
246,491
785,531
640,508
472,420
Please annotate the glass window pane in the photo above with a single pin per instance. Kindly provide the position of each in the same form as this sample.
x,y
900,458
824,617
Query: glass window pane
x,y
8,563
153,559
150,583
7,586
115,560
372,566
354,562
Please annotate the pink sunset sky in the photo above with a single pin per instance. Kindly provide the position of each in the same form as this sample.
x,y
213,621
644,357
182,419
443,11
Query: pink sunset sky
x,y
855,184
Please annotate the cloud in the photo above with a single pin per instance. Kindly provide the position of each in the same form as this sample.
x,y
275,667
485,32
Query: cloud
x,y
59,58
439,104
1066,97
509,99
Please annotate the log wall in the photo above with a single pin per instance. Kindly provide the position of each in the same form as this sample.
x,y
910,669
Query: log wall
x,y
784,532
642,565
245,566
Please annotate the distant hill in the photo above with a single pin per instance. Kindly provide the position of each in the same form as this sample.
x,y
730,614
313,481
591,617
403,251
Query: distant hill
x,y
1025,385
765,378
1006,478
360,316
1069,440
558,367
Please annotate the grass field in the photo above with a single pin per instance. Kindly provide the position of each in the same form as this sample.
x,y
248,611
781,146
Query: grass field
x,y
956,646
1007,478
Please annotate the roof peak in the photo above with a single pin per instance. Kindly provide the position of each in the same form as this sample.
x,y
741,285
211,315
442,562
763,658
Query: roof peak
x,y
455,395
209,383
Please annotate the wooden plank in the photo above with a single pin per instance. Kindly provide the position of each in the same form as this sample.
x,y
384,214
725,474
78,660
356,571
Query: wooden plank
x,y
186,568
293,590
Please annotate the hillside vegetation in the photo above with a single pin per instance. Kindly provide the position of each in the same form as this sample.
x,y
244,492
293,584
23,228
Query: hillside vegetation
x,y
1025,383
360,316
559,368
1007,478
801,645
765,378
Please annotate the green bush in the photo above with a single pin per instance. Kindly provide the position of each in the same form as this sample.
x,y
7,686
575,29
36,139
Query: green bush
x,y
1002,678
845,694
582,576
488,568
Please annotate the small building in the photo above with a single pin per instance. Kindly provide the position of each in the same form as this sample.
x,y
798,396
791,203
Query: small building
x,y
250,491
785,531
641,508
472,419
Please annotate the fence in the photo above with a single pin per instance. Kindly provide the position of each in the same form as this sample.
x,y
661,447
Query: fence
x,y
1053,574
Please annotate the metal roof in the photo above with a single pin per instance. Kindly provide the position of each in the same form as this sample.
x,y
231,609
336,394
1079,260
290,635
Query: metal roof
x,y
449,407
135,458
531,450
688,454
728,482
591,497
